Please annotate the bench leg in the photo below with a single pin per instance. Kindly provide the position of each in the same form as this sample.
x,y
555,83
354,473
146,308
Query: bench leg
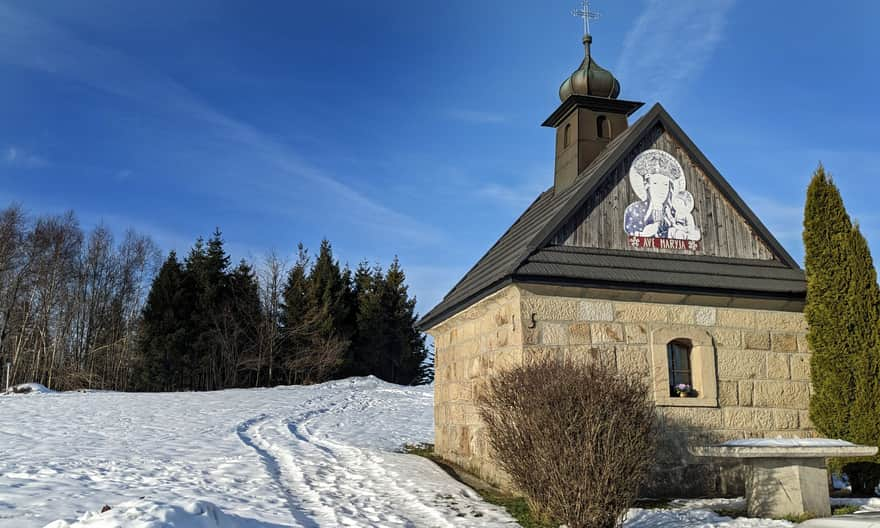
x,y
778,487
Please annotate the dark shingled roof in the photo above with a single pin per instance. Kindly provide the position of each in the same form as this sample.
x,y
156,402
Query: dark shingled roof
x,y
522,253
604,266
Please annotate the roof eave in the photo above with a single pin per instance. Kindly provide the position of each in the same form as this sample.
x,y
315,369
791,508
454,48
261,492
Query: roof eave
x,y
430,320
601,104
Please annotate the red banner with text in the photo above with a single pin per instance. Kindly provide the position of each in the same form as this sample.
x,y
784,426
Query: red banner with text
x,y
663,243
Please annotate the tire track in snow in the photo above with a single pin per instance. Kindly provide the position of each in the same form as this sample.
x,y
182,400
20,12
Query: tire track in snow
x,y
327,483
273,468
370,471
376,488
335,482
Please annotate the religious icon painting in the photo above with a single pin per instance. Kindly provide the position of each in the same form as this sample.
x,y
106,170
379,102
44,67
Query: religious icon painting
x,y
663,216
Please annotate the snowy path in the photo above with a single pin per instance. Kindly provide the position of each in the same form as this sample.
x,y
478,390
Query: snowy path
x,y
289,456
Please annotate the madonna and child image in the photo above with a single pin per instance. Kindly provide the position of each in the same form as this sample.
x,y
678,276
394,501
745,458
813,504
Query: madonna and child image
x,y
665,207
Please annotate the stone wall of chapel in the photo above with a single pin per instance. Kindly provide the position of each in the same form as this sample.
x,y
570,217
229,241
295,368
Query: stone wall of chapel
x,y
762,364
762,374
468,348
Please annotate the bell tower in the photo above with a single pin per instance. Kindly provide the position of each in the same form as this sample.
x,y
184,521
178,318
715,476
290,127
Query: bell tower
x,y
590,115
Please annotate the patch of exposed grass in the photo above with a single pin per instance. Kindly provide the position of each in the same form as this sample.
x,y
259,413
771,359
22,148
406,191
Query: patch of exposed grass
x,y
797,519
517,507
652,504
835,510
422,450
844,510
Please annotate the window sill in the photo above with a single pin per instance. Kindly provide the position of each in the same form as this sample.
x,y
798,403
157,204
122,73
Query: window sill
x,y
686,402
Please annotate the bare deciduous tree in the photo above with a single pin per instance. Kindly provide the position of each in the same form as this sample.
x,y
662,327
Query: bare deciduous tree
x,y
272,276
70,303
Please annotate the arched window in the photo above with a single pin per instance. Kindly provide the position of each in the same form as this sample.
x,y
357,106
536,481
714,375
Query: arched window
x,y
566,136
679,354
602,128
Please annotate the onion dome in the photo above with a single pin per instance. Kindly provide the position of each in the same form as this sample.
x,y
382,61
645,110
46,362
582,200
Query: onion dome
x,y
590,79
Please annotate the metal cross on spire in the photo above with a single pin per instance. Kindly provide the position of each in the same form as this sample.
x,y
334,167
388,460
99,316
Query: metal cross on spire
x,y
587,14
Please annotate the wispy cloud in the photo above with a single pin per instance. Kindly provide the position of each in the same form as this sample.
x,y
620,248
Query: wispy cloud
x,y
31,42
670,43
123,175
17,157
476,116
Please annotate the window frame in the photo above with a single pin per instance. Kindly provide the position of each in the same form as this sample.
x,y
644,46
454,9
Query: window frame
x,y
704,377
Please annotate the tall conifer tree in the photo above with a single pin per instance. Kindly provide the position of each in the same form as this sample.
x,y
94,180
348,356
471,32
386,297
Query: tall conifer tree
x,y
366,309
245,315
862,316
834,359
294,312
387,344
329,296
407,349
164,340
208,268
371,346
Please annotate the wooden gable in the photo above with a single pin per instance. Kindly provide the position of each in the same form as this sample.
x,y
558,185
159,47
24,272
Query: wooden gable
x,y
577,236
719,227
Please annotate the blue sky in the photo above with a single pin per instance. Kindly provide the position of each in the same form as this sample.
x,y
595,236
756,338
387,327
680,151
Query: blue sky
x,y
409,128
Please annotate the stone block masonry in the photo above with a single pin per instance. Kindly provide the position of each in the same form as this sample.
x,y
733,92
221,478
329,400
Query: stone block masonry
x,y
761,374
469,348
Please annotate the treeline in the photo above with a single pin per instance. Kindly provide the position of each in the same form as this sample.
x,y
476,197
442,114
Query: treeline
x,y
70,301
210,326
82,310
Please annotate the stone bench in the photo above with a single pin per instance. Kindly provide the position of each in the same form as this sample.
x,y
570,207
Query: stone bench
x,y
787,476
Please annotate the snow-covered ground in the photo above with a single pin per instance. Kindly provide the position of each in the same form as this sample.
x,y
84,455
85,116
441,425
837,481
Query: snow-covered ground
x,y
288,456
323,455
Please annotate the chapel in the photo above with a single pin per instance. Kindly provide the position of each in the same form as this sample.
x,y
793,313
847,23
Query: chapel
x,y
642,255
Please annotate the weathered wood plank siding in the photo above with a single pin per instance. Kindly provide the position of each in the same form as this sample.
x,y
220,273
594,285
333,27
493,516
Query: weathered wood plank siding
x,y
599,224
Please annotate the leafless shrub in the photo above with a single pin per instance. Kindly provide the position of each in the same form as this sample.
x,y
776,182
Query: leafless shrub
x,y
315,355
577,439
316,363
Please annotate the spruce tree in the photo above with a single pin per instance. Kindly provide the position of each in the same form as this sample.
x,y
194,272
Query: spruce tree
x,y
164,339
329,301
407,350
193,320
826,228
365,306
207,268
246,315
327,292
426,371
348,321
295,312
371,347
387,344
